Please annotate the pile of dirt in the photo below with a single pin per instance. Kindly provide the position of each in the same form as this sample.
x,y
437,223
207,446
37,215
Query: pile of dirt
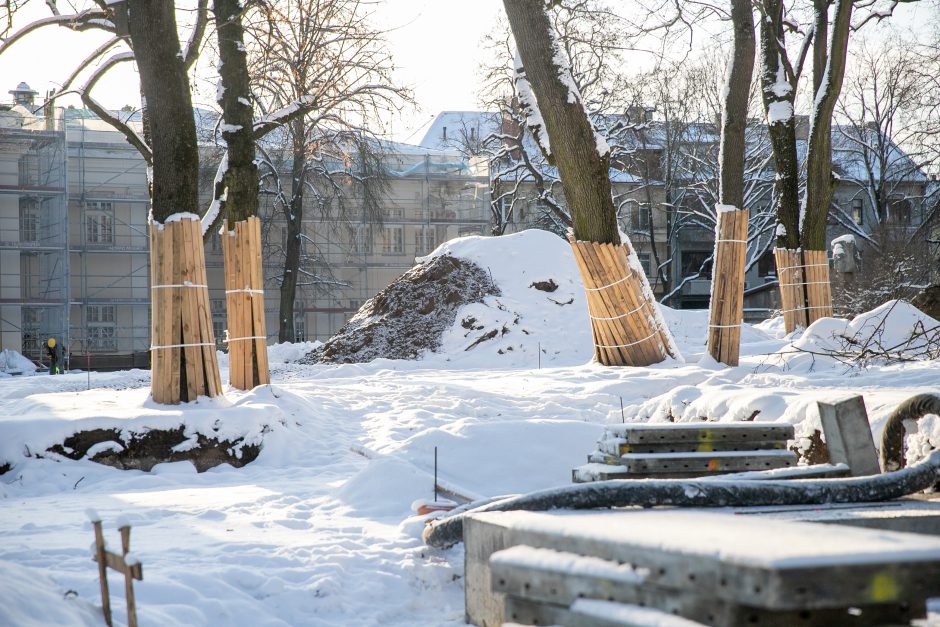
x,y
928,301
407,318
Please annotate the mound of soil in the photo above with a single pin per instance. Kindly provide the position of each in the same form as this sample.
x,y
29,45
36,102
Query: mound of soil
x,y
928,301
408,317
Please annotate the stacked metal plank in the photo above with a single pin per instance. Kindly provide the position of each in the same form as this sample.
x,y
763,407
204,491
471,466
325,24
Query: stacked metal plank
x,y
669,451
716,569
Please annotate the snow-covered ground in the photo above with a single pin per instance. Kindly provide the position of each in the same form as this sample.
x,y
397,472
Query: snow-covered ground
x,y
319,530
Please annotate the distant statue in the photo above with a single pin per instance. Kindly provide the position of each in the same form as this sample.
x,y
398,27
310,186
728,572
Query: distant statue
x,y
844,255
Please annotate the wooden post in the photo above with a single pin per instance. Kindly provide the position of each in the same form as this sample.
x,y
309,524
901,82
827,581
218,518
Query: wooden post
x,y
244,292
726,310
818,289
184,364
102,572
626,327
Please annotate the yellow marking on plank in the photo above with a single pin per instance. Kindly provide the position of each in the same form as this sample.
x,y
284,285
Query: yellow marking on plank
x,y
883,587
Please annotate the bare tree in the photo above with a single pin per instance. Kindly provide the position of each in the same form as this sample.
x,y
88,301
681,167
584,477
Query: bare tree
x,y
323,73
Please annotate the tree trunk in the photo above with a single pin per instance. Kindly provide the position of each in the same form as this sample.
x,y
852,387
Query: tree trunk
x,y
782,131
583,164
734,109
237,192
183,353
241,178
165,85
828,82
727,289
627,325
294,215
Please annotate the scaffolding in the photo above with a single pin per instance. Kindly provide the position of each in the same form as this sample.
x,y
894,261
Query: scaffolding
x,y
34,258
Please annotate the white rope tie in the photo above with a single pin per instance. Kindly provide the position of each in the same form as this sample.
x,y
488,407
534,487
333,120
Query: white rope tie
x,y
809,265
733,241
723,326
228,339
604,287
652,335
170,285
246,290
629,313
797,284
805,308
154,348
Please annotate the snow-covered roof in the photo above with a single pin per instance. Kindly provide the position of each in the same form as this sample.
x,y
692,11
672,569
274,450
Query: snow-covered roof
x,y
451,129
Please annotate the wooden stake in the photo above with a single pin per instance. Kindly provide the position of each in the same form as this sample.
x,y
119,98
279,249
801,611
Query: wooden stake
x,y
102,572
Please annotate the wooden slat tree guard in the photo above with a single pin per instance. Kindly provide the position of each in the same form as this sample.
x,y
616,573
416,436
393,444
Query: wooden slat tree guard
x,y
244,296
119,562
726,310
184,364
805,292
623,321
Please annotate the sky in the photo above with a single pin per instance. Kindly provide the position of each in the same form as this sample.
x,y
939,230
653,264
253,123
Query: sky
x,y
435,45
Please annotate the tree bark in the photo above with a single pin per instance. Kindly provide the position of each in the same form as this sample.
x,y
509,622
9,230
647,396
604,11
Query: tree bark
x,y
582,166
782,132
828,82
241,178
165,85
294,218
734,109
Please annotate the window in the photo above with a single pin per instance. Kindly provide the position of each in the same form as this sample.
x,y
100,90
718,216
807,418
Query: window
x,y
99,222
217,306
767,265
31,339
362,239
393,240
693,261
29,220
29,170
300,328
640,217
100,328
215,242
858,211
901,211
218,330
425,239
645,262
391,213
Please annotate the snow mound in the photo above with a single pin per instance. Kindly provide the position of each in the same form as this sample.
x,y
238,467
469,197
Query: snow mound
x,y
893,332
29,598
12,362
511,301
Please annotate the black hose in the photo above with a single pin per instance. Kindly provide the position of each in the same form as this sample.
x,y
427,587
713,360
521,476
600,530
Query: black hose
x,y
892,438
445,532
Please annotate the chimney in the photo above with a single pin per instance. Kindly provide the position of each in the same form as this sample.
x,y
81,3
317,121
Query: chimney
x,y
24,95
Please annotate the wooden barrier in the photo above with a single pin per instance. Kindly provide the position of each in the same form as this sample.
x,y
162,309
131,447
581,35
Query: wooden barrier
x,y
626,327
184,364
244,296
805,292
726,310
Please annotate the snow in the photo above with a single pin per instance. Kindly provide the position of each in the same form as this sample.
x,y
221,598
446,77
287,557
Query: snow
x,y
319,528
626,614
779,111
725,208
230,128
530,106
13,363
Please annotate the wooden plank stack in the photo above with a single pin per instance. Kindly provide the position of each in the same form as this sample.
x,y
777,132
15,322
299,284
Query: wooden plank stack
x,y
184,364
673,451
623,321
244,296
805,292
726,310
716,569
